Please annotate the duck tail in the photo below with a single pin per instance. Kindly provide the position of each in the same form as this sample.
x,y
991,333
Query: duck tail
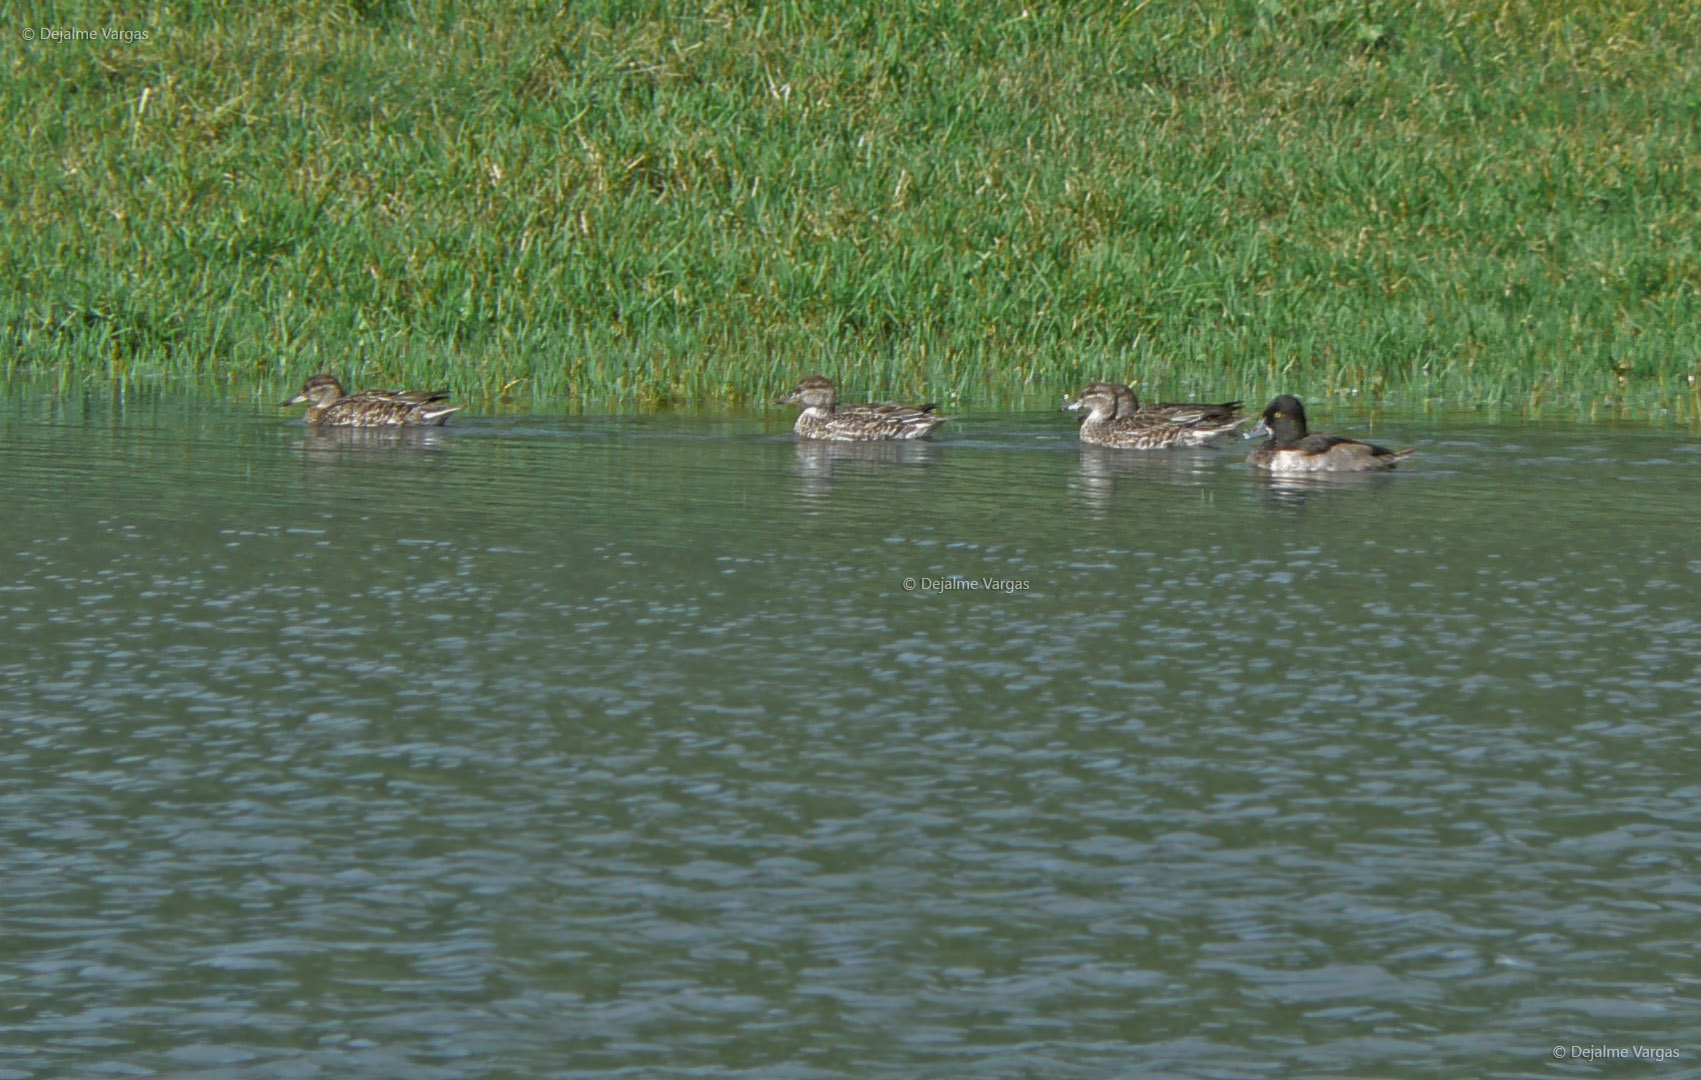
x,y
435,415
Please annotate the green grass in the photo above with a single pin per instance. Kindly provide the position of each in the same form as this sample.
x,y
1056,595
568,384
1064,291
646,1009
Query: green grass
x,y
639,204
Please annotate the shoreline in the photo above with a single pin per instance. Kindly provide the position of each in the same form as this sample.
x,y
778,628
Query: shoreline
x,y
1640,410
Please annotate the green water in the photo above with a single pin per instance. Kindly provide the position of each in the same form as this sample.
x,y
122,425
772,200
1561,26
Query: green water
x,y
570,747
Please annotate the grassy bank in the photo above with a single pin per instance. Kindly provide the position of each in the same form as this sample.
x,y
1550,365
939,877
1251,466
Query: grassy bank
x,y
640,203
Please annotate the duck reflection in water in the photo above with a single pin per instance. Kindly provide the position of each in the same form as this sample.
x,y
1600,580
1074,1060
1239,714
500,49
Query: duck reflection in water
x,y
1299,489
329,443
1103,470
820,463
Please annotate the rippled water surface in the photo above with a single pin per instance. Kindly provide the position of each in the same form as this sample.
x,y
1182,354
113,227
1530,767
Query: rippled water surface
x,y
567,747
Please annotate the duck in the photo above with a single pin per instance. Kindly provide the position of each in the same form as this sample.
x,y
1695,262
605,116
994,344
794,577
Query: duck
x,y
370,408
1116,418
823,418
1293,448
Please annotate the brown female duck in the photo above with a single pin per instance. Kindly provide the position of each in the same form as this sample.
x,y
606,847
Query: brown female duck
x,y
371,408
824,418
1116,418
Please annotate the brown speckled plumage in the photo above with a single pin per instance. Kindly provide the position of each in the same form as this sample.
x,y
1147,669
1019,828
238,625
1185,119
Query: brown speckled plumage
x,y
824,418
371,408
1115,418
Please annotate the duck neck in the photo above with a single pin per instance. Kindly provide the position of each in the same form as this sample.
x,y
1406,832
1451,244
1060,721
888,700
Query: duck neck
x,y
1286,433
1102,415
811,419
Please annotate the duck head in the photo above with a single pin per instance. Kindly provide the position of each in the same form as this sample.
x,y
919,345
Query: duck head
x,y
1283,420
1127,403
815,392
1103,400
321,390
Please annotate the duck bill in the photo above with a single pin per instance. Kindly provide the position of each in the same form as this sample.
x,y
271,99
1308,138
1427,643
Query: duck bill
x,y
789,399
1257,431
1073,406
296,400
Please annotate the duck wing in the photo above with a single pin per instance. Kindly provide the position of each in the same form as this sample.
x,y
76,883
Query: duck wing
x,y
888,421
1195,414
406,397
1143,431
1345,453
379,410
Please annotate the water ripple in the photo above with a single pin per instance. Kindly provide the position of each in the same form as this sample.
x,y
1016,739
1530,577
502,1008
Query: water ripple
x,y
564,748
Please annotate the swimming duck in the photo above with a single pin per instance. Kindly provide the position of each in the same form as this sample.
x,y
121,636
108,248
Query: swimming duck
x,y
371,408
1291,449
823,418
1116,418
